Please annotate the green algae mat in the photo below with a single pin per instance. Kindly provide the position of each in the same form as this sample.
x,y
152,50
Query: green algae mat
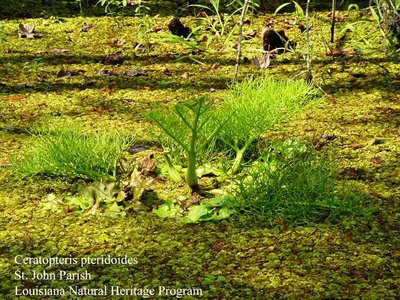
x,y
71,63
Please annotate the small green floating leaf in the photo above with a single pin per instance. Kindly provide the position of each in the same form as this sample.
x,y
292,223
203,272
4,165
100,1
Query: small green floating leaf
x,y
197,213
167,210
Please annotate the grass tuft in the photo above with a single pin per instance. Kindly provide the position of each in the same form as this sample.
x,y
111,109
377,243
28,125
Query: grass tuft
x,y
291,183
70,152
258,105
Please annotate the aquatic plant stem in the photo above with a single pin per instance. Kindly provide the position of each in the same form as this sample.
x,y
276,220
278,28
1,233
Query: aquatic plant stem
x,y
191,118
333,20
240,37
239,156
308,54
191,176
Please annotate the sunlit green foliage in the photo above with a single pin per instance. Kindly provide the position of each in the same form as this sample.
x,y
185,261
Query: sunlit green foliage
x,y
214,209
298,9
257,105
355,258
387,16
289,182
2,39
221,25
71,152
102,196
110,6
186,126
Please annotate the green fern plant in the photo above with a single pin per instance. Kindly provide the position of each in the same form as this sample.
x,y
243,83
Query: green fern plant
x,y
187,126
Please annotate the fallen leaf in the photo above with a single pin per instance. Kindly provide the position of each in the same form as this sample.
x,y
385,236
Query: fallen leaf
x,y
157,29
53,51
5,164
249,34
354,146
348,237
146,165
388,110
340,52
263,62
357,273
215,66
194,199
353,173
186,75
106,73
86,27
270,21
28,32
110,89
16,98
331,100
284,222
328,137
114,59
218,247
338,16
377,160
62,73
28,117
167,72
77,72
135,73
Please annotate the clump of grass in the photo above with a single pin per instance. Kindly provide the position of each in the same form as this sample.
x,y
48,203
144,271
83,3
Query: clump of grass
x,y
289,182
72,153
256,106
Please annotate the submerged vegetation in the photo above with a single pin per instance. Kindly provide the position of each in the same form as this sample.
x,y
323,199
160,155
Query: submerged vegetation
x,y
120,138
